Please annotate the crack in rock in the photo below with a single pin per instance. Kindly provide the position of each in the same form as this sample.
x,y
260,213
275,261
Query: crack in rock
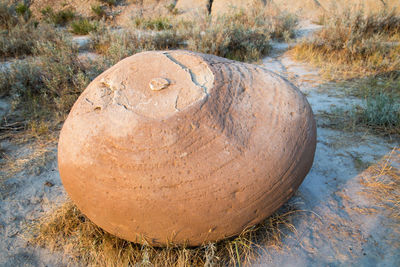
x,y
192,75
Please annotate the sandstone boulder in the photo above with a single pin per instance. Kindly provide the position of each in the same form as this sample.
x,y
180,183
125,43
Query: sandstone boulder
x,y
176,146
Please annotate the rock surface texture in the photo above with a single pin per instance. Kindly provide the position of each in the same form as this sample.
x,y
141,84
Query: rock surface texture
x,y
216,148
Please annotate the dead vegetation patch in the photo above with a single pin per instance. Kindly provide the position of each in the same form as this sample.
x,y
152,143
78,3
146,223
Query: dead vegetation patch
x,y
382,184
352,44
67,229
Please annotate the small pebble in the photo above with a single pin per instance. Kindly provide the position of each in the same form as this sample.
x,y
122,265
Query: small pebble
x,y
49,184
157,84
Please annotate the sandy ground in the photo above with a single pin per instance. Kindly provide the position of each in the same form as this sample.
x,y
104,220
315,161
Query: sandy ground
x,y
332,230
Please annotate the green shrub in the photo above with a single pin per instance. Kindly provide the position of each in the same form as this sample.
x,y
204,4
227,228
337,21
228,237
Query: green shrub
x,y
158,24
109,2
8,16
172,9
60,18
380,110
82,26
24,11
98,11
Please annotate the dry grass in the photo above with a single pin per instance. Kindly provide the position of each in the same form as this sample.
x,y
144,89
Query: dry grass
x,y
115,46
242,36
382,183
354,44
31,159
67,229
379,109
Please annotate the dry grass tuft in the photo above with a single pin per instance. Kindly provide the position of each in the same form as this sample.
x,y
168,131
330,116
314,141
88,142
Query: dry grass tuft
x,y
67,229
382,183
379,109
354,44
30,159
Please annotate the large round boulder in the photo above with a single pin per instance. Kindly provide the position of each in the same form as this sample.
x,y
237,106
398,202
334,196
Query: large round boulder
x,y
176,146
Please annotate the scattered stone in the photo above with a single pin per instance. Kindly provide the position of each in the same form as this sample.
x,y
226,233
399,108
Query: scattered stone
x,y
48,184
158,84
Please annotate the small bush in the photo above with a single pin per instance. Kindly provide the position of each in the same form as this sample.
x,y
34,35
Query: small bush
x,y
82,26
158,24
11,13
45,87
98,11
23,37
18,41
353,44
109,2
118,45
172,9
8,16
380,110
234,43
24,11
60,18
229,36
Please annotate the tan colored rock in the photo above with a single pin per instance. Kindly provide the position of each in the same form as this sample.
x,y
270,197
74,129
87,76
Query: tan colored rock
x,y
219,149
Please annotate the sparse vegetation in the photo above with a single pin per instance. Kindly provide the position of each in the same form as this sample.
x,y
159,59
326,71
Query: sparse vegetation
x,y
19,32
382,183
8,15
99,11
46,87
115,46
82,26
19,40
67,229
229,37
379,109
24,11
157,24
110,2
172,9
242,36
60,18
354,44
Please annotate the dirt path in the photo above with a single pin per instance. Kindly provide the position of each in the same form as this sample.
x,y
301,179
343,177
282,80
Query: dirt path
x,y
333,230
